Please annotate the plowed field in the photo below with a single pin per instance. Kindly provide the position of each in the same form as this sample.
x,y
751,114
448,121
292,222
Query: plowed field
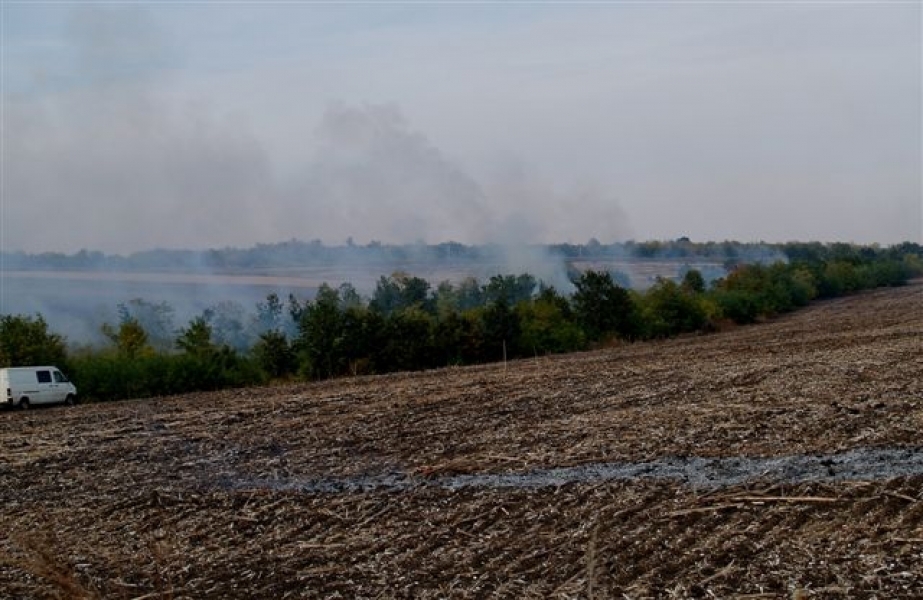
x,y
780,460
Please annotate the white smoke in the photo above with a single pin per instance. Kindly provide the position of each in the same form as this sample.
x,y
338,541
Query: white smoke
x,y
374,177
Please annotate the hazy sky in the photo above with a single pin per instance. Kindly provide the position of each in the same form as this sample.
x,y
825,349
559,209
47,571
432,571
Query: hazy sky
x,y
210,124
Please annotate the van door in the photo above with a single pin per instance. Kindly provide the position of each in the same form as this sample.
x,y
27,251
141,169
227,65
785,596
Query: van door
x,y
64,386
47,388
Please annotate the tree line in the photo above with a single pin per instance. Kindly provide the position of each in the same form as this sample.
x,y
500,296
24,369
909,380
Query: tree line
x,y
314,252
409,324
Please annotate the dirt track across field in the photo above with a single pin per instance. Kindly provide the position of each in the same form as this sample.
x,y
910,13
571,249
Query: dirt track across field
x,y
781,460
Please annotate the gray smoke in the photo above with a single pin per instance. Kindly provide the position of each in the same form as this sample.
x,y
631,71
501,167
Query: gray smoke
x,y
374,177
109,162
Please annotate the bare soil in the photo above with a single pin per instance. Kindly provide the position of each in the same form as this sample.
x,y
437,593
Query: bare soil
x,y
781,460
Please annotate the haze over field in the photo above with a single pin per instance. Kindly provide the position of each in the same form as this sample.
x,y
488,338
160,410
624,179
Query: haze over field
x,y
133,126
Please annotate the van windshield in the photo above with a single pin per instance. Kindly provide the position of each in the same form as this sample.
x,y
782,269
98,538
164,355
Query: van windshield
x,y
59,377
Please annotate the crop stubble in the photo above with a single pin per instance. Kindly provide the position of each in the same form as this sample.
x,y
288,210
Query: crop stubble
x,y
208,495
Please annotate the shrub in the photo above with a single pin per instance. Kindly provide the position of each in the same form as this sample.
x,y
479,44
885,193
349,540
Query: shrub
x,y
602,308
670,309
26,341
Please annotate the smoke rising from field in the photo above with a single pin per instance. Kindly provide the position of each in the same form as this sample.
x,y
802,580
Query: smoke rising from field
x,y
115,157
107,161
128,127
372,175
197,125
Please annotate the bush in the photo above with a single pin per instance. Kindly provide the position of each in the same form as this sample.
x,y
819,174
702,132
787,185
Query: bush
x,y
26,341
669,309
602,308
738,305
459,337
407,326
408,342
111,375
548,326
274,354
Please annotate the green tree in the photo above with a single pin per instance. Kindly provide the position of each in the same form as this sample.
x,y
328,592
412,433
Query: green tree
x,y
459,337
670,309
744,294
26,341
804,285
512,289
320,330
401,291
693,281
130,338
502,331
362,334
602,308
197,338
272,351
445,299
470,294
155,318
349,297
274,354
548,324
407,341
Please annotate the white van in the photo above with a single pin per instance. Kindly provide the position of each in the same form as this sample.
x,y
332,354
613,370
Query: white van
x,y
25,386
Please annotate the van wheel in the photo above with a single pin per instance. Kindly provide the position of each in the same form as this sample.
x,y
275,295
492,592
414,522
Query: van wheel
x,y
70,400
24,404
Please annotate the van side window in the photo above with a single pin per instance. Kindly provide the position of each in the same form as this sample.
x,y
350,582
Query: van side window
x,y
59,377
44,376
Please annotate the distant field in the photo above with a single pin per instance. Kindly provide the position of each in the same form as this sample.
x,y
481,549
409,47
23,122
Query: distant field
x,y
782,460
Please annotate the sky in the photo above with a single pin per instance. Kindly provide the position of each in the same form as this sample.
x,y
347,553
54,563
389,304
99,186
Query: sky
x,y
129,126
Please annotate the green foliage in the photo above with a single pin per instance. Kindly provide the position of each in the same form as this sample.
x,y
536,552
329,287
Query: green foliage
x,y
838,278
408,343
802,284
349,297
401,291
196,339
738,305
670,309
693,282
26,341
459,337
406,325
602,308
112,375
470,294
130,338
753,291
272,350
319,334
275,355
913,264
511,289
155,318
362,333
548,325
890,272
502,330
